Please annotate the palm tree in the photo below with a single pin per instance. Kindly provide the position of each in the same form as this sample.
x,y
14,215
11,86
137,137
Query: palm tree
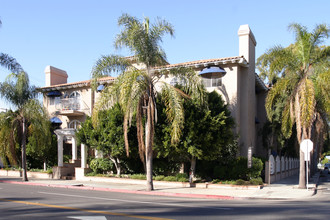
x,y
135,88
300,66
9,62
17,91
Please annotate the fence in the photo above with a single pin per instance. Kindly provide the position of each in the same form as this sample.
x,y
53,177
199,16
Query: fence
x,y
279,168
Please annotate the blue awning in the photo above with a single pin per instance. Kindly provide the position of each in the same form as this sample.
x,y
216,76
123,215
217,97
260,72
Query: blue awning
x,y
55,120
54,93
100,88
213,70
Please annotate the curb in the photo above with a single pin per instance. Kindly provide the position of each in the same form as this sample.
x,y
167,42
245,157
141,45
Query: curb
x,y
184,195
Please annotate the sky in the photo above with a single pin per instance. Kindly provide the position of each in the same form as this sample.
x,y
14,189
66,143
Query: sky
x,y
73,34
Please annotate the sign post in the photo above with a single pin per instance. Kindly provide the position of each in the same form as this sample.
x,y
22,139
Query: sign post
x,y
306,146
249,157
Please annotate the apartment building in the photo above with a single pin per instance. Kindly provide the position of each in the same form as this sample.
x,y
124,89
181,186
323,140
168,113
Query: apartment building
x,y
234,78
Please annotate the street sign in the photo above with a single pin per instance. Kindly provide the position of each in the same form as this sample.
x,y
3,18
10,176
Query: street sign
x,y
249,157
306,146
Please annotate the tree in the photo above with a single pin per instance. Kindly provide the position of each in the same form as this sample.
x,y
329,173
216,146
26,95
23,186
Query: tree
x,y
40,145
207,131
107,136
17,90
135,88
8,151
9,62
299,65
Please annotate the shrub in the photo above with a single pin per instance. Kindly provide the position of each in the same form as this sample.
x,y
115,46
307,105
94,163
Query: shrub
x,y
219,171
181,175
256,181
255,170
170,178
160,177
138,176
240,170
90,174
240,182
49,171
182,179
101,165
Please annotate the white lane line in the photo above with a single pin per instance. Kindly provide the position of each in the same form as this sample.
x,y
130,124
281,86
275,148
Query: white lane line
x,y
132,201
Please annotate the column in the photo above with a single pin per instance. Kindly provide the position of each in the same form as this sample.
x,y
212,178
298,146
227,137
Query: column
x,y
60,150
74,149
83,156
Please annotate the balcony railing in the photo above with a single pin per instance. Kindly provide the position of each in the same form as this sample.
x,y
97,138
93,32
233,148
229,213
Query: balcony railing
x,y
71,106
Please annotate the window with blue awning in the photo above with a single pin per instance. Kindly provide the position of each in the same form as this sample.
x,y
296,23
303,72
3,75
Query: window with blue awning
x,y
54,93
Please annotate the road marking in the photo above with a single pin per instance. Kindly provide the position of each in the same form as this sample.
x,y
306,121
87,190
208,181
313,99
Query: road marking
x,y
89,217
83,210
136,202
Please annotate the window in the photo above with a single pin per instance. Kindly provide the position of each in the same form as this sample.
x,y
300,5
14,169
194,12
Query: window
x,y
211,81
75,124
74,98
54,100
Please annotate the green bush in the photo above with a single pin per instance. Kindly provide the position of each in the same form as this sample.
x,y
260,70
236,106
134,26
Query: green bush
x,y
181,175
256,181
170,178
138,176
160,177
240,182
101,165
91,174
255,170
182,179
240,170
219,171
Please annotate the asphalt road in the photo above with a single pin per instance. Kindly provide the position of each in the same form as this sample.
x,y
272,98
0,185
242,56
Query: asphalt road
x,y
35,202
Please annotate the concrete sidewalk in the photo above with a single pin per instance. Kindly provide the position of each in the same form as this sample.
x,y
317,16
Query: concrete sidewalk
x,y
284,189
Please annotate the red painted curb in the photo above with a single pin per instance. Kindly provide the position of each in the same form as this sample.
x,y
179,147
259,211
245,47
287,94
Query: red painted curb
x,y
185,195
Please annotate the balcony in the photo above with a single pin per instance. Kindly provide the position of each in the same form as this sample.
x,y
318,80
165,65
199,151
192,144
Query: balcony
x,y
71,107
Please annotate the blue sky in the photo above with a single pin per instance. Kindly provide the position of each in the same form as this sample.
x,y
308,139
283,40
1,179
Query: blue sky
x,y
73,34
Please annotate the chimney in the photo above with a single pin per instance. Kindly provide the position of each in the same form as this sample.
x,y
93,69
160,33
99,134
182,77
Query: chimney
x,y
55,76
247,43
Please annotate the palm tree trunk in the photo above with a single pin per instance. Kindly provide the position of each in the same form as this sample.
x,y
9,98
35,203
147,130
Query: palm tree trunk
x,y
149,143
24,174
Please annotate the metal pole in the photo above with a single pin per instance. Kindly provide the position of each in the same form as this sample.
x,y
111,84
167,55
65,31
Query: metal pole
x,y
307,175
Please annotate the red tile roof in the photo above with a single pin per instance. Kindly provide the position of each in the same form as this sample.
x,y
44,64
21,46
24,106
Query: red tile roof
x,y
77,84
197,64
215,61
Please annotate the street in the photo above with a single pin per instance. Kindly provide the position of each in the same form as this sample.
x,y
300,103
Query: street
x,y
36,202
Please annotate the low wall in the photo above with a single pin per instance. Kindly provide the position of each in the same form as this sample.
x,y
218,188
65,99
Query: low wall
x,y
18,173
280,168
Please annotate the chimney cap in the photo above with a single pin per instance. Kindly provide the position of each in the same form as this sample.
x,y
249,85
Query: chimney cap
x,y
245,30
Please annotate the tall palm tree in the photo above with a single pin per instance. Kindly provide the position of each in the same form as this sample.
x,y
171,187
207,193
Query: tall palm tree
x,y
300,65
135,88
17,91
9,62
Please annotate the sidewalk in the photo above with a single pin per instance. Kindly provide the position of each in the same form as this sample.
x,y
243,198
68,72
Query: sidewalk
x,y
284,189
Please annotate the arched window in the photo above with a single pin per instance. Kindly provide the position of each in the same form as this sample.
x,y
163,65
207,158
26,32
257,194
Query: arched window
x,y
75,124
75,100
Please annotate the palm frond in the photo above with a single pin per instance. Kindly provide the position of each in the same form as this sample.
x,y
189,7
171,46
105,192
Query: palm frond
x,y
307,102
174,110
17,90
10,63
